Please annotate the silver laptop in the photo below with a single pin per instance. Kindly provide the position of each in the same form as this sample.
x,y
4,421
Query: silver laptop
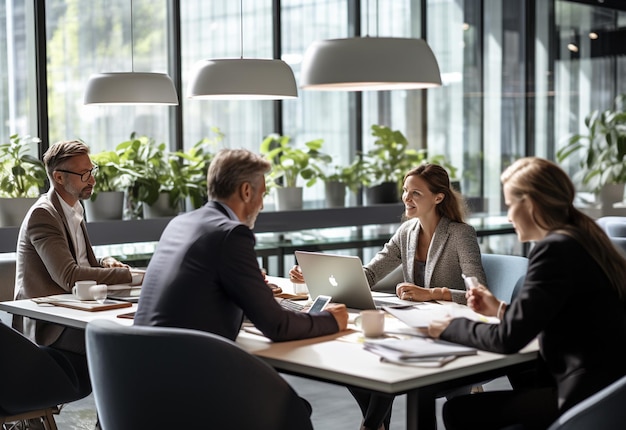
x,y
341,277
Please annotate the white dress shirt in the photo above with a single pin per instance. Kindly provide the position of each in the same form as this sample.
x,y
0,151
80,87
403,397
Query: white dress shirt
x,y
74,216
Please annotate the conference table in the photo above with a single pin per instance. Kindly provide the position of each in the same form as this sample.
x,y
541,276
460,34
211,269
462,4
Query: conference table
x,y
337,359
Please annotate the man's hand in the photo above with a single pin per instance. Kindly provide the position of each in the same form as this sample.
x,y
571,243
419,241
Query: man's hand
x,y
111,262
340,312
435,328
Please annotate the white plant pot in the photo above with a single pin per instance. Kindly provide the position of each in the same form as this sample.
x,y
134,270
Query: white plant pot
x,y
109,205
611,193
335,194
288,198
160,209
13,210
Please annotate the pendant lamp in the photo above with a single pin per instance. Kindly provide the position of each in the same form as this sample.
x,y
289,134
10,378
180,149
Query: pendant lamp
x,y
242,78
369,63
130,88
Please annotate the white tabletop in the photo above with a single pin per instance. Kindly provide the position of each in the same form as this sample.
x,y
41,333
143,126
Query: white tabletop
x,y
330,359
64,316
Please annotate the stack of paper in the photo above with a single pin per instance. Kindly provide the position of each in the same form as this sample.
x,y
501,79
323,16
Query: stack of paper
x,y
418,351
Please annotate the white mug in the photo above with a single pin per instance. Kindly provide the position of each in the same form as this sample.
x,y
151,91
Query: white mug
x,y
137,278
82,290
372,322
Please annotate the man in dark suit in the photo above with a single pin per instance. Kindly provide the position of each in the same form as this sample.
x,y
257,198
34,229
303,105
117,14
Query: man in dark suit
x,y
205,275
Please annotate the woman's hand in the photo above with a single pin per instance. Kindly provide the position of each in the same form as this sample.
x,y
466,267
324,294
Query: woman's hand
x,y
480,300
296,276
408,291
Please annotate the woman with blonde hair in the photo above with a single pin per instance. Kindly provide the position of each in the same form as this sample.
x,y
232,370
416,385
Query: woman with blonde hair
x,y
573,299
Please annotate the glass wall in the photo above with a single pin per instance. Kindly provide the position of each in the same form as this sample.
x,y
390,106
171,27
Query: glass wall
x,y
86,37
18,95
519,75
213,30
589,65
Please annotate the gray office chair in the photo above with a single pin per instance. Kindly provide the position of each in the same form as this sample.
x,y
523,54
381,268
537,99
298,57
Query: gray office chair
x,y
163,378
615,228
505,274
604,410
7,287
35,379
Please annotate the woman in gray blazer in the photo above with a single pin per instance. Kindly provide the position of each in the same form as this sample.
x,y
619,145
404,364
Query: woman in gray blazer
x,y
435,247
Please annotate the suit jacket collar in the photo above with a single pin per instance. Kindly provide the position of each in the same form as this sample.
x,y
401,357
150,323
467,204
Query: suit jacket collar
x,y
223,209
53,197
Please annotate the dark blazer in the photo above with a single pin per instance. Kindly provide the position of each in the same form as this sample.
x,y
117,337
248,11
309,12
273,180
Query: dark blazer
x,y
566,301
46,263
205,275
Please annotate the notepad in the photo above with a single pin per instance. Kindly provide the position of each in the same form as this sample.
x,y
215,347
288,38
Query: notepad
x,y
423,352
420,348
68,301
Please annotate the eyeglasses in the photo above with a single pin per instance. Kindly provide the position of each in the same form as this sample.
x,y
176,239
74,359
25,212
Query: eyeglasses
x,y
83,176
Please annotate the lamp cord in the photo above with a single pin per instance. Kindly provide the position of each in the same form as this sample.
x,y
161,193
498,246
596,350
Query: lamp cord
x,y
241,28
132,38
367,18
377,13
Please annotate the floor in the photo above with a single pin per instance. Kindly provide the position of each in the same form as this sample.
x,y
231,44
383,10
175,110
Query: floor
x,y
333,407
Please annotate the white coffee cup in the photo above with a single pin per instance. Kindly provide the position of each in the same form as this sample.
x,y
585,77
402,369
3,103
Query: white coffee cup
x,y
372,322
137,278
81,290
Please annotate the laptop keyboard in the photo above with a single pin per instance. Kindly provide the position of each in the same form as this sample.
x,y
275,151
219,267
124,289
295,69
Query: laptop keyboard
x,y
291,305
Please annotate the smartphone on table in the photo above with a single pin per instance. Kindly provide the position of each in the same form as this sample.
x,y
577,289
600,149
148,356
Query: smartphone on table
x,y
319,304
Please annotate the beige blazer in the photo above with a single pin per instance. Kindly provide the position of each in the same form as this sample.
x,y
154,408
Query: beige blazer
x,y
453,250
47,264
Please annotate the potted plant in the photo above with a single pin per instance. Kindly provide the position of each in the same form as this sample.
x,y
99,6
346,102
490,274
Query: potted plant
x,y
290,163
22,178
600,153
189,170
338,180
149,193
382,168
112,179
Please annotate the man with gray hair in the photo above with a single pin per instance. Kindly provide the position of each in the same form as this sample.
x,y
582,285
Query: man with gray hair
x,y
205,274
53,248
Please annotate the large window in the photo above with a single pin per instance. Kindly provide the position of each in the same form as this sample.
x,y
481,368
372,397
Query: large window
x,y
18,94
213,30
519,75
86,37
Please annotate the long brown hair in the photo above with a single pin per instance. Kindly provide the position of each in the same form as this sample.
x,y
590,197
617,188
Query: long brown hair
x,y
436,177
552,193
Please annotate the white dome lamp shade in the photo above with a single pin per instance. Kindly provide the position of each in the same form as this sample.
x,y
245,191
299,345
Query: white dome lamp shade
x,y
369,64
242,79
130,88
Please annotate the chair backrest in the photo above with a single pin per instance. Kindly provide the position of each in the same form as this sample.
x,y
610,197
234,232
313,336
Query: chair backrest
x,y
36,377
505,274
7,280
163,377
389,282
604,221
616,229
604,410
